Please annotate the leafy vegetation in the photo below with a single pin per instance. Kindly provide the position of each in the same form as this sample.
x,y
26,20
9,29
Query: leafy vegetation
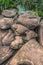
x,y
34,5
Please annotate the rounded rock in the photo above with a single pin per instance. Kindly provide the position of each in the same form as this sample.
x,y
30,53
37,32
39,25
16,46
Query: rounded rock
x,y
5,23
19,28
10,13
30,22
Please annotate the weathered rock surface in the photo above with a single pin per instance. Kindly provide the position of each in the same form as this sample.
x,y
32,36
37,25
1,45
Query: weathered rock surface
x,y
19,28
41,33
8,38
2,34
5,53
29,35
31,23
5,23
17,43
18,36
30,54
10,13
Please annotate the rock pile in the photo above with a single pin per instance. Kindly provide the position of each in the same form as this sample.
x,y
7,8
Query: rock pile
x,y
21,40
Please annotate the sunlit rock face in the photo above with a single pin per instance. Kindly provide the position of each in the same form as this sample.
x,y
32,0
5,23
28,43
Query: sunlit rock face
x,y
31,53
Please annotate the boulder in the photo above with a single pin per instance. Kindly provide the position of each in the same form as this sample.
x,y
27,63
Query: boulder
x,y
29,35
19,28
30,54
31,23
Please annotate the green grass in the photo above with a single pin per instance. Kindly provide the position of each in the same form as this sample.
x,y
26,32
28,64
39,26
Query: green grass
x,y
7,4
38,13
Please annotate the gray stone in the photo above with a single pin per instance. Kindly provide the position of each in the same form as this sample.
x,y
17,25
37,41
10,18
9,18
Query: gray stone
x,y
10,13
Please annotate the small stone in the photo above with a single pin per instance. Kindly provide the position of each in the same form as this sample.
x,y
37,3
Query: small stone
x,y
19,28
30,35
17,43
31,51
8,38
10,13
